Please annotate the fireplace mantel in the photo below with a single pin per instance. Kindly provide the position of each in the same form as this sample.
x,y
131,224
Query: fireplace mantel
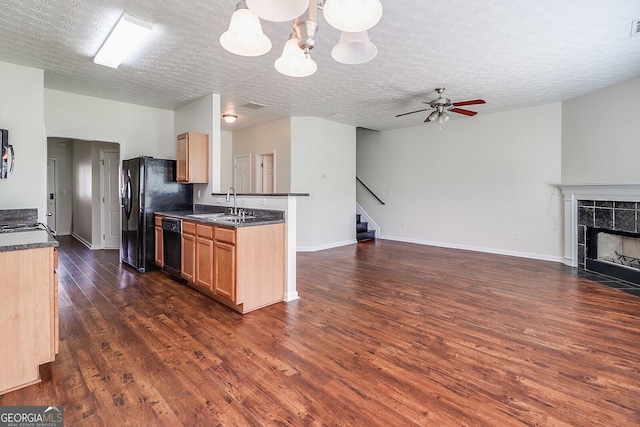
x,y
572,193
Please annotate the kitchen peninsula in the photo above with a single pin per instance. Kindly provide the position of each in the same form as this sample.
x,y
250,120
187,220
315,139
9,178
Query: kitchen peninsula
x,y
237,258
28,305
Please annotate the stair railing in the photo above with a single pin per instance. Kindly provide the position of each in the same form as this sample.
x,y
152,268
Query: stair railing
x,y
370,191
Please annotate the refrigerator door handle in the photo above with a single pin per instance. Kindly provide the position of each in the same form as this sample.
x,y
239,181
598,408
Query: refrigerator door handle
x,y
127,196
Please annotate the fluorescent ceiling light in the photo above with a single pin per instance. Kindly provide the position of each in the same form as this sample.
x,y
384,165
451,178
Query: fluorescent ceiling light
x,y
124,38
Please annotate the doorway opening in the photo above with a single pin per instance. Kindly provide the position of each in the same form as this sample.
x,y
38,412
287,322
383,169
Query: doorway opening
x,y
266,173
86,190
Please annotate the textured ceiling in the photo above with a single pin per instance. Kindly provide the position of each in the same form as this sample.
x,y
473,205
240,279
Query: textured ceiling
x,y
513,54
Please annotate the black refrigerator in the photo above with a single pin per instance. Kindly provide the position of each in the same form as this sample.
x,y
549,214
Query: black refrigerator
x,y
148,186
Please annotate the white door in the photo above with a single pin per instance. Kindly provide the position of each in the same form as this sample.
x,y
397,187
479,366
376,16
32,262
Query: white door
x,y
51,194
242,166
267,173
110,199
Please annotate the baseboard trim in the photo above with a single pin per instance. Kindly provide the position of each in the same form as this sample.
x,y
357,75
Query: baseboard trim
x,y
327,246
529,255
291,296
84,242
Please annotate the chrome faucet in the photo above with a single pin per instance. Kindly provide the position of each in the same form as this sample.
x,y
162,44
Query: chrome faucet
x,y
235,200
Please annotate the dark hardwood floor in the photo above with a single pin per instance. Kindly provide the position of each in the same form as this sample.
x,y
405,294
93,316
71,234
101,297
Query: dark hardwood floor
x,y
385,334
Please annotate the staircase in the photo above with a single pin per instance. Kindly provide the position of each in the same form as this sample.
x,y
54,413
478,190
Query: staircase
x,y
362,230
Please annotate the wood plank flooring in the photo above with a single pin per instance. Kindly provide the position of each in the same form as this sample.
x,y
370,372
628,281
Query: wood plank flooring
x,y
385,334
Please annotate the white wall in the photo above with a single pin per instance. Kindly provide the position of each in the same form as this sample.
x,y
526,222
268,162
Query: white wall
x,y
82,226
472,185
22,114
267,138
203,116
600,135
323,164
139,130
226,160
61,149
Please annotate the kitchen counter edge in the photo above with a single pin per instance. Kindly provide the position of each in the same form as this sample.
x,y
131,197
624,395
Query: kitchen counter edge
x,y
23,240
251,222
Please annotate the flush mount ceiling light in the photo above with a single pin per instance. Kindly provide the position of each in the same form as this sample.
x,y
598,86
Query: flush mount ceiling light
x,y
244,36
124,38
359,16
229,118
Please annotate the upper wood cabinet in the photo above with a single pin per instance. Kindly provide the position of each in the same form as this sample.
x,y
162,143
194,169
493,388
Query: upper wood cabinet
x,y
192,158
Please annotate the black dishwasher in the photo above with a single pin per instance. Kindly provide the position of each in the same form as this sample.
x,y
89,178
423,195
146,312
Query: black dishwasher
x,y
172,245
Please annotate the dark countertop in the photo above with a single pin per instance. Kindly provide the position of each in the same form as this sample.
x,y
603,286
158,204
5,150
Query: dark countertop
x,y
22,240
261,217
265,194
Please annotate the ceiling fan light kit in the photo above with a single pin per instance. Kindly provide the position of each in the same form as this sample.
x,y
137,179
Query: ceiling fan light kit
x,y
244,36
442,106
353,17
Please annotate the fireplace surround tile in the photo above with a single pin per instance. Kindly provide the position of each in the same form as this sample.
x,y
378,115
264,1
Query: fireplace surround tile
x,y
586,216
625,220
626,205
604,204
604,218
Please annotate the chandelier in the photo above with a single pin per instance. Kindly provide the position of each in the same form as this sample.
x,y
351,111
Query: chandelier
x,y
352,17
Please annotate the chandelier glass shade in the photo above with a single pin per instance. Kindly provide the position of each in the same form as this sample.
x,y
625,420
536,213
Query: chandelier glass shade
x,y
278,10
244,36
352,15
354,48
294,62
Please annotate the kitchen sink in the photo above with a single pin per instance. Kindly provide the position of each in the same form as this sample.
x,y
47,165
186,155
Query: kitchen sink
x,y
209,215
221,217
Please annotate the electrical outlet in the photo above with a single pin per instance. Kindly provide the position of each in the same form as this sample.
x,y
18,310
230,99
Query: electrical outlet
x,y
403,224
516,236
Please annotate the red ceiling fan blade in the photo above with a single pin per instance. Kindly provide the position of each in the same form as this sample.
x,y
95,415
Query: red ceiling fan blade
x,y
463,111
472,102
411,112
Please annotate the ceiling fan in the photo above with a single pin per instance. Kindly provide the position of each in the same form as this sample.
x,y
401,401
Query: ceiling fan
x,y
441,106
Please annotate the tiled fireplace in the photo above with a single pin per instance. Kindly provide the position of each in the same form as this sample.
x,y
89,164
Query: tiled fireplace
x,y
602,229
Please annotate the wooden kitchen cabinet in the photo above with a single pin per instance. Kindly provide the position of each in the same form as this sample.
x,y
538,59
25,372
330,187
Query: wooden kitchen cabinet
x,y
28,315
249,266
192,156
188,262
204,256
225,264
159,242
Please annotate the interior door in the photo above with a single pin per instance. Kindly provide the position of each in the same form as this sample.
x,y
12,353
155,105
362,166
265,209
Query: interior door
x,y
267,173
242,167
51,194
110,200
